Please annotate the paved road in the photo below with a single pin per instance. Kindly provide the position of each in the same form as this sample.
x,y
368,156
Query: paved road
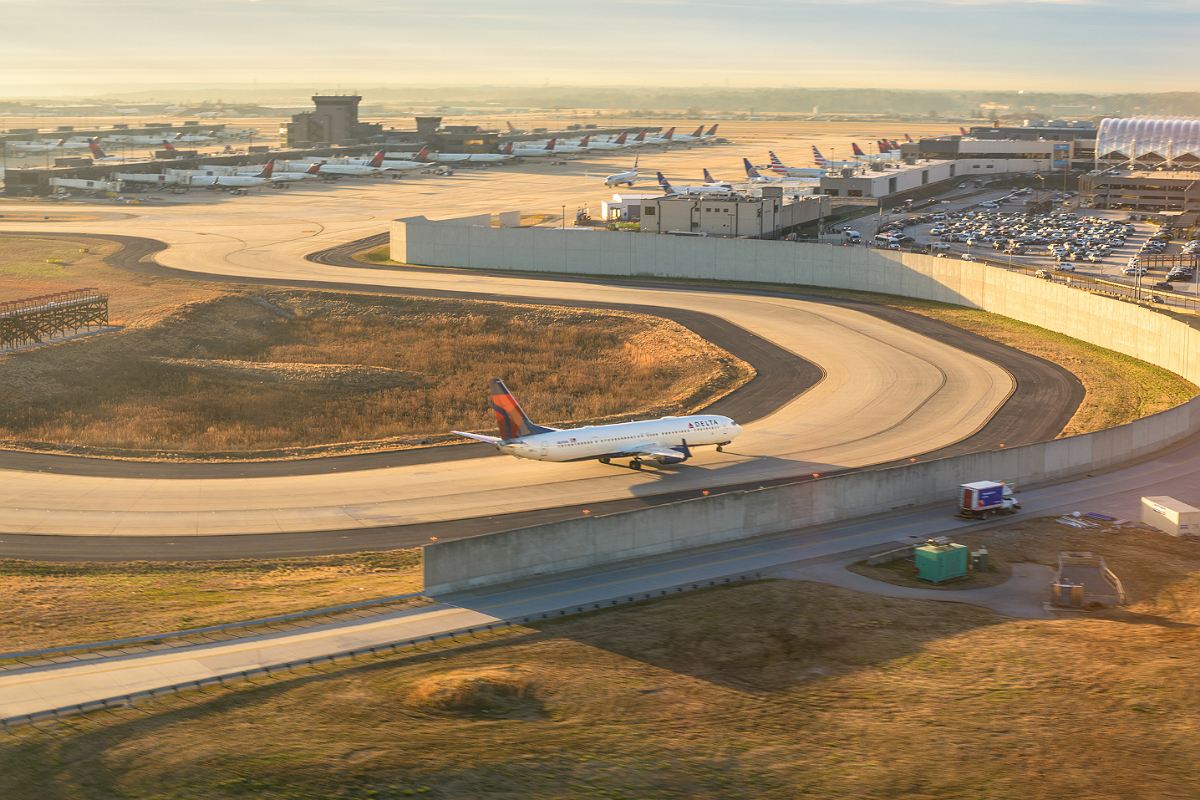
x,y
1116,493
886,393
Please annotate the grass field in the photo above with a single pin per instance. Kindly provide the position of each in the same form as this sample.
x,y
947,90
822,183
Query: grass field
x,y
244,373
55,604
778,689
1118,388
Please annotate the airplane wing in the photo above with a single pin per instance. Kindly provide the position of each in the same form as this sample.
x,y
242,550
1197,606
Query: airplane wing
x,y
657,451
479,437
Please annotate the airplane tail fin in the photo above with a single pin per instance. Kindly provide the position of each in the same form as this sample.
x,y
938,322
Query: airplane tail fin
x,y
511,129
893,144
908,138
510,417
167,145
94,146
641,137
663,183
882,145
508,148
818,159
377,160
621,138
713,130
551,144
669,134
751,172
708,178
962,131
268,169
314,168
585,140
698,132
423,153
857,150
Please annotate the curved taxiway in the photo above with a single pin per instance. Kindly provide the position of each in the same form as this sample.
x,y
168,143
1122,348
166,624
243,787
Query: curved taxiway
x,y
888,393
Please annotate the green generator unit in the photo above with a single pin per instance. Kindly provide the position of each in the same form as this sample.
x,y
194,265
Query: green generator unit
x,y
938,563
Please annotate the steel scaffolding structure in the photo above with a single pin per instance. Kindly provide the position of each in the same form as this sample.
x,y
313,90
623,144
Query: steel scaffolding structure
x,y
33,320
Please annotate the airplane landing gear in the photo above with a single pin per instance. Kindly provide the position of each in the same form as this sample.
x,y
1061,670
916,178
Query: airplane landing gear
x,y
605,460
635,464
720,448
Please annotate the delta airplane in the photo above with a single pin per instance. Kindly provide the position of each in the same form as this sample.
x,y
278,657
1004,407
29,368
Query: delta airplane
x,y
372,167
668,440
569,148
783,170
627,177
417,161
691,138
233,181
535,151
666,138
99,156
668,189
616,144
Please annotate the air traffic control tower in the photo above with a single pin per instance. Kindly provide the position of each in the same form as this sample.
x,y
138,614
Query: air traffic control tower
x,y
334,120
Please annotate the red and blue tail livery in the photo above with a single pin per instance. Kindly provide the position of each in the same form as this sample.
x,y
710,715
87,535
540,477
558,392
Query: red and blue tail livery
x,y
669,440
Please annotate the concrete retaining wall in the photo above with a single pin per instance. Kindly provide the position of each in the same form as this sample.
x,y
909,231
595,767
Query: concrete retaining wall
x,y
1124,327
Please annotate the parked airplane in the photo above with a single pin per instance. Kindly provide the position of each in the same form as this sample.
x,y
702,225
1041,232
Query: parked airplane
x,y
666,138
686,190
314,171
513,131
36,147
885,152
99,156
962,131
568,148
535,151
627,177
754,176
826,164
616,144
668,440
779,168
232,181
709,180
690,138
418,160
372,167
710,134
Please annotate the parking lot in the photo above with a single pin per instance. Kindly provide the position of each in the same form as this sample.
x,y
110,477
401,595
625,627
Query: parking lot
x,y
1064,241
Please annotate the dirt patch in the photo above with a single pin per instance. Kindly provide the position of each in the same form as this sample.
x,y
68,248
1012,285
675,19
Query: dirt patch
x,y
494,693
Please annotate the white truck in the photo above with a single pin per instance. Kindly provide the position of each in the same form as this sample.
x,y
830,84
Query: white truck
x,y
984,498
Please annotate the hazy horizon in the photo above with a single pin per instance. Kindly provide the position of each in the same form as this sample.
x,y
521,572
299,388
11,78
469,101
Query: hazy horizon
x,y
1094,46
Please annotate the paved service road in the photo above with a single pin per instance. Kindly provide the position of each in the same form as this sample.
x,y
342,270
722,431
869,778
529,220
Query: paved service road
x,y
1116,493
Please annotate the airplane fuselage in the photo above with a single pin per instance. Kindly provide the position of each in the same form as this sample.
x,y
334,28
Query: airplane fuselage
x,y
623,439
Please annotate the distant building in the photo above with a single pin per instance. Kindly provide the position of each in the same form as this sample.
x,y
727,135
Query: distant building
x,y
890,180
1176,192
334,120
991,156
734,214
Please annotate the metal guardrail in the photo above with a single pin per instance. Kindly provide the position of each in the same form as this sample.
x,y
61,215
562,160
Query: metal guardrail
x,y
114,644
127,700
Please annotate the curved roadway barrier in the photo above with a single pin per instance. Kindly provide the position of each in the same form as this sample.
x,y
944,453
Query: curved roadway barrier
x,y
1126,328
888,393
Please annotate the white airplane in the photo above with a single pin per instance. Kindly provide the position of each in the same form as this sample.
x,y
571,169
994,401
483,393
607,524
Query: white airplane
x,y
372,167
233,181
886,152
472,158
616,144
637,141
668,440
538,151
149,177
686,190
418,160
37,147
572,148
710,134
195,138
666,138
690,138
294,177
627,177
754,176
99,156
821,161
779,168
709,180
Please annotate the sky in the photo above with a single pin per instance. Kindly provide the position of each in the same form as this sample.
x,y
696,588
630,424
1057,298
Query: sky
x,y
87,47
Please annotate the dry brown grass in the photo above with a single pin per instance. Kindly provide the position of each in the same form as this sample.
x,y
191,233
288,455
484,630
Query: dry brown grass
x,y
774,690
55,604
230,372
